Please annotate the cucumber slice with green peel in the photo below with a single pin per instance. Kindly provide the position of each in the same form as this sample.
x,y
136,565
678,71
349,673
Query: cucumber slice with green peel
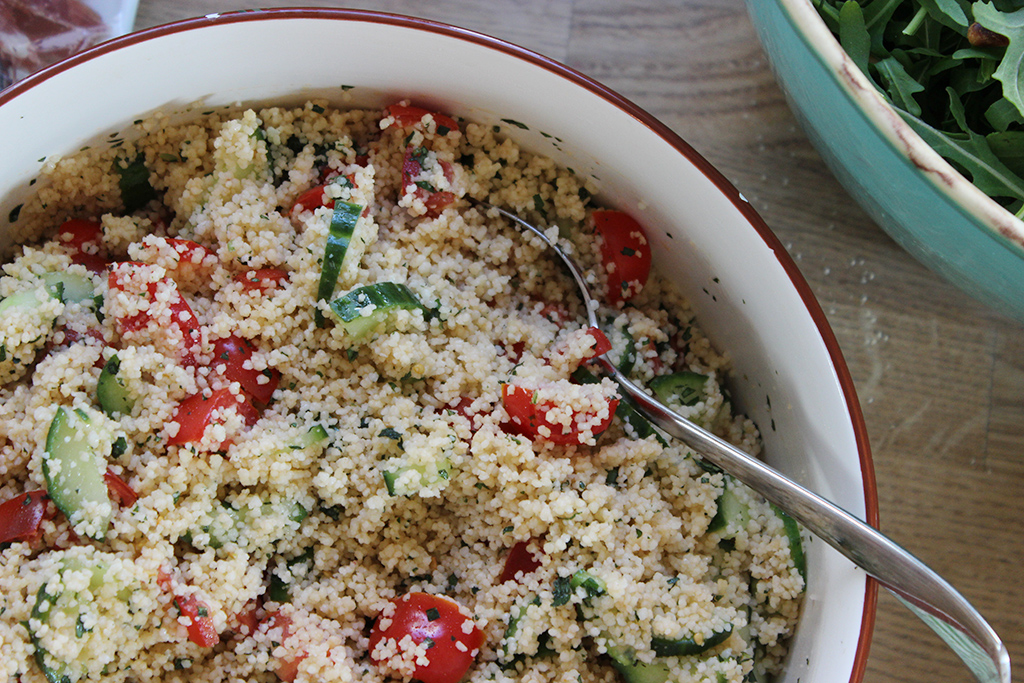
x,y
592,585
408,480
69,287
74,462
732,514
620,337
343,224
316,434
70,612
111,390
279,586
684,388
633,671
362,309
682,647
28,298
796,542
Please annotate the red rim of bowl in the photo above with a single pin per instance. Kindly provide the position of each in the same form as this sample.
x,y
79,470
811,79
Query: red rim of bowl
x,y
656,126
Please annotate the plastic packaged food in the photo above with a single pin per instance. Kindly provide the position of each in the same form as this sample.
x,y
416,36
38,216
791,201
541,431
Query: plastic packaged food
x,y
37,33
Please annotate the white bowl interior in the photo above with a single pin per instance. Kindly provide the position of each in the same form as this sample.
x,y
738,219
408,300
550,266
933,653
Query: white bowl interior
x,y
748,294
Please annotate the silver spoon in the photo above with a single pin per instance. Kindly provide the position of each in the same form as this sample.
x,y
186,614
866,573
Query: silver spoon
x,y
923,591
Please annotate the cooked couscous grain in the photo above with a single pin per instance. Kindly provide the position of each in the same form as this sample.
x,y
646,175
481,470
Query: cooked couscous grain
x,y
278,402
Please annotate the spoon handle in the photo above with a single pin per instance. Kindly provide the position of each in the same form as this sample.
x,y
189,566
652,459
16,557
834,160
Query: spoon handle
x,y
923,591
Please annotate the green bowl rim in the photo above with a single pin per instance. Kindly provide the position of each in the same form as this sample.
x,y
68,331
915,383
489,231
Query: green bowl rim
x,y
978,208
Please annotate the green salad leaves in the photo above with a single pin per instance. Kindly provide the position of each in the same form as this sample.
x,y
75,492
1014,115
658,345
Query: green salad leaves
x,y
954,69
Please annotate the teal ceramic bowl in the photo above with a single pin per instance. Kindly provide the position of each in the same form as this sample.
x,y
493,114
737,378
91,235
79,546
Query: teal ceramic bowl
x,y
921,201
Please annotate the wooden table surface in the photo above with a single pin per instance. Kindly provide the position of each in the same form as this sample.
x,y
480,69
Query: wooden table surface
x,y
940,377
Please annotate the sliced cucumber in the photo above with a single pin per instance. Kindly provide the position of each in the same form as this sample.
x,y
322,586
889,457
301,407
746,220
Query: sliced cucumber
x,y
363,309
633,671
408,480
683,388
592,585
74,463
111,390
229,524
297,566
316,435
343,223
30,298
796,542
508,643
69,287
681,647
63,610
732,514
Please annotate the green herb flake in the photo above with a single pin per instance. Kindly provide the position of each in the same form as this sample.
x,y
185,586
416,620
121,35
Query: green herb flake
x,y
517,124
561,591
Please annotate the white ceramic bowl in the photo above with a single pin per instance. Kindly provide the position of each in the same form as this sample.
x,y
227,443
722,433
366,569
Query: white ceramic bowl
x,y
749,295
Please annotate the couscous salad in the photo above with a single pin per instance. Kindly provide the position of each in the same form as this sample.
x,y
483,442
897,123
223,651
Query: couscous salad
x,y
277,401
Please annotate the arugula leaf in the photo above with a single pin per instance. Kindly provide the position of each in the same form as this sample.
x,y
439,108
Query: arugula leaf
x,y
1010,72
899,85
950,13
971,152
853,34
966,101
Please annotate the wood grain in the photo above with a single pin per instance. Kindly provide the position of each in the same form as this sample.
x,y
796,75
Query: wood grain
x,y
940,377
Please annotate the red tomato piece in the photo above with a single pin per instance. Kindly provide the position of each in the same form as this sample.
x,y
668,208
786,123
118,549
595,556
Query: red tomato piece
x,y
195,263
230,355
200,627
288,666
131,277
407,116
196,412
436,622
625,253
247,621
85,240
519,559
311,200
601,343
262,279
529,416
412,166
21,516
120,489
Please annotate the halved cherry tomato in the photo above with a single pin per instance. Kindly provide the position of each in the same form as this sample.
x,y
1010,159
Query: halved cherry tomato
x,y
528,417
310,200
412,166
195,263
601,343
519,559
201,630
247,621
229,358
120,489
625,252
130,277
406,116
287,667
436,622
21,516
262,279
196,412
85,240
200,627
